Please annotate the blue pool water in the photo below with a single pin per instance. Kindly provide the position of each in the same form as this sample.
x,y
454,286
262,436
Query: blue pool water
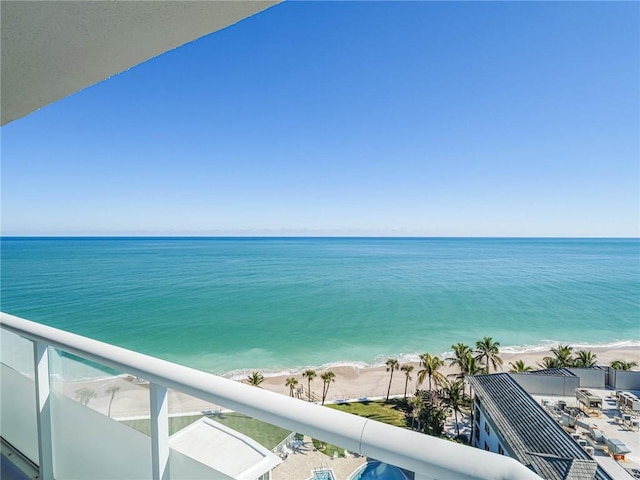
x,y
379,471
323,475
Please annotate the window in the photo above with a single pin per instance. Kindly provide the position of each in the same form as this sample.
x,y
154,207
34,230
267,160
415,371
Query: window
x,y
486,428
486,447
500,450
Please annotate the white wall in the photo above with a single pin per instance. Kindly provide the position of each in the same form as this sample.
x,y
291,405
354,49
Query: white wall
x,y
548,384
624,379
491,439
88,444
590,377
18,412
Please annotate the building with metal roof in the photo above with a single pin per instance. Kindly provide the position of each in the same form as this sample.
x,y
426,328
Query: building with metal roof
x,y
508,421
560,371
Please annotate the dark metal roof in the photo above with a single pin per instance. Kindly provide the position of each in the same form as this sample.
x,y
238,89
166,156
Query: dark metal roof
x,y
561,371
535,439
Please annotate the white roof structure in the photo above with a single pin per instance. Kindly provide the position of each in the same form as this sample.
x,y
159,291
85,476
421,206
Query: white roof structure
x,y
51,49
223,449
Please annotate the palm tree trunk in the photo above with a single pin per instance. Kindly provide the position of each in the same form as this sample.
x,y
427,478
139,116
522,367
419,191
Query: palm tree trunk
x,y
325,390
406,383
389,389
113,394
455,415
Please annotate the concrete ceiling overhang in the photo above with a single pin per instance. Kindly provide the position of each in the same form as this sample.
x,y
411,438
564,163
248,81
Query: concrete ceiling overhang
x,y
51,49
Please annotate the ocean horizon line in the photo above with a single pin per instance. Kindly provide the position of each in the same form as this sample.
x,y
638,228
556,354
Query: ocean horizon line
x,y
305,237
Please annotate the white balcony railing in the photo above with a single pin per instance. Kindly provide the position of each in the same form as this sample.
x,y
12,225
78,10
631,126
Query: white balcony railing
x,y
428,457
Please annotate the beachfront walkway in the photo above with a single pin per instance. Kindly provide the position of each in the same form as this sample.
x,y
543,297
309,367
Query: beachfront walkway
x,y
300,464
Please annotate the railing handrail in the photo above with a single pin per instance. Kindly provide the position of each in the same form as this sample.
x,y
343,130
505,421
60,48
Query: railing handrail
x,y
427,456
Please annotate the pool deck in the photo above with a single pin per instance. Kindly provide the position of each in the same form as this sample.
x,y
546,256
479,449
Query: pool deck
x,y
301,463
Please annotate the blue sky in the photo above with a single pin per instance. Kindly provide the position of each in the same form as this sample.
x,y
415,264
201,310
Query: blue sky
x,y
351,118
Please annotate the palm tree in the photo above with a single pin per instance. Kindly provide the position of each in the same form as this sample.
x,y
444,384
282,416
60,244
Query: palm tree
x,y
407,369
291,382
472,368
430,365
310,374
563,355
416,404
327,377
113,389
519,366
463,359
435,420
549,362
488,349
429,417
84,395
255,379
622,365
584,359
392,364
461,353
453,397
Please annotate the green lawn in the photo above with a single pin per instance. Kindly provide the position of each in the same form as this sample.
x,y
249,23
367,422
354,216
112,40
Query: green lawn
x,y
269,435
390,413
327,448
264,433
175,424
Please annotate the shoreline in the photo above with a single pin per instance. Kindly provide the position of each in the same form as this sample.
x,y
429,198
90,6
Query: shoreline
x,y
351,383
542,349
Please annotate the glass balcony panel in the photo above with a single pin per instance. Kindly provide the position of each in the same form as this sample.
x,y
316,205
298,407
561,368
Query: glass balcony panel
x,y
100,421
18,422
211,441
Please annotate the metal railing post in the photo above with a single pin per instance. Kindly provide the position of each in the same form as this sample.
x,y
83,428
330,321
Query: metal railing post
x,y
159,431
43,410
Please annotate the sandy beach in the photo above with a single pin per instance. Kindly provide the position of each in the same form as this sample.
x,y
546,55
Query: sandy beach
x,y
370,382
131,399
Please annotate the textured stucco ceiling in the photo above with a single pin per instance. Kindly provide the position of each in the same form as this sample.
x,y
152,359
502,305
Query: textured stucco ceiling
x,y
53,48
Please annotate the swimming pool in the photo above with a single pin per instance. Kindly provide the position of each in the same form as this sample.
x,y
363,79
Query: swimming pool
x,y
378,471
322,474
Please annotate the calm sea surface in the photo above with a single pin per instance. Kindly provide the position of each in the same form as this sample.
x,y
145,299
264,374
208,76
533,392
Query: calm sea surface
x,y
234,304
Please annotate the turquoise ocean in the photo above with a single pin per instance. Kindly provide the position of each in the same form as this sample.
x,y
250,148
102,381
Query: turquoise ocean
x,y
231,305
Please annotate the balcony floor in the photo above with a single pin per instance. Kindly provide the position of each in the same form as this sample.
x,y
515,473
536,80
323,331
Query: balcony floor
x,y
13,466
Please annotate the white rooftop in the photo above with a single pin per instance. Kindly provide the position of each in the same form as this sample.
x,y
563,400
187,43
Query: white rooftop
x,y
610,428
223,449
